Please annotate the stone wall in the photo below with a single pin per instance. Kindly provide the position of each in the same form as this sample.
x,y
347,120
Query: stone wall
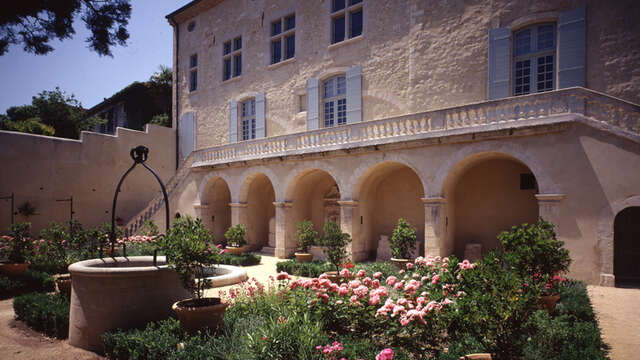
x,y
415,55
42,169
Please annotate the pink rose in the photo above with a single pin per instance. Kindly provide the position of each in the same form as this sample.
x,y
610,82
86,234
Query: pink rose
x,y
386,354
391,280
377,275
223,251
282,276
361,273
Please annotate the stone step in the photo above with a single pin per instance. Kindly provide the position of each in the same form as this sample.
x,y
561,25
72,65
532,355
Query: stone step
x,y
267,250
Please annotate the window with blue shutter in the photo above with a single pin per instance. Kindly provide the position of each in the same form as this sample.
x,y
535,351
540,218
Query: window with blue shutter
x,y
312,103
233,121
187,134
572,48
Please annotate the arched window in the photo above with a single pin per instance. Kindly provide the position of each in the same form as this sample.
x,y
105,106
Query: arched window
x,y
534,59
334,100
248,117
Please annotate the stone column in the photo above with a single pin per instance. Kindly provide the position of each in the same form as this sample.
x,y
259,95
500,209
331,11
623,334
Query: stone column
x,y
238,213
285,243
202,211
349,225
433,225
548,208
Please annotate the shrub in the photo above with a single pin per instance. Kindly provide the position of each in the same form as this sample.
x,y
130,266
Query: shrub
x,y
157,341
30,281
335,243
17,246
386,268
50,252
240,260
309,269
575,301
44,312
190,250
534,249
306,236
235,235
403,240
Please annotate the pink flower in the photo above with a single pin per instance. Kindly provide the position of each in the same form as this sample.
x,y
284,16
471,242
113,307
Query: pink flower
x,y
223,251
391,280
386,354
409,265
377,275
374,300
282,276
219,246
361,291
343,290
361,273
345,273
435,279
354,284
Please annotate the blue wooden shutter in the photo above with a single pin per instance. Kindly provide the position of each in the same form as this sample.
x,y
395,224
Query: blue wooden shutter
x,y
187,134
499,63
571,48
233,121
260,130
354,94
312,103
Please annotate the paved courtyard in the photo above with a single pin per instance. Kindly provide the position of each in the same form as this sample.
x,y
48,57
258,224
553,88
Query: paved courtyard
x,y
617,311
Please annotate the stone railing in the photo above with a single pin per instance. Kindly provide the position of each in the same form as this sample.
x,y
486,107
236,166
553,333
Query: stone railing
x,y
157,203
515,111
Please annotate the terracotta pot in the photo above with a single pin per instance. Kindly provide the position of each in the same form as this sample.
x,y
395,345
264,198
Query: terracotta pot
x,y
63,283
476,357
13,269
335,277
549,302
304,257
200,314
401,264
233,250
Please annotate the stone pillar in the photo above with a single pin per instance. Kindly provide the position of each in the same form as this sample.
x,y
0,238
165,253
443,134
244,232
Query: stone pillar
x,y
548,208
285,243
238,213
433,225
202,211
349,224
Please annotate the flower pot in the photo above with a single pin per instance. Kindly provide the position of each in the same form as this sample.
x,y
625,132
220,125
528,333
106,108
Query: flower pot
x,y
401,264
476,357
304,257
549,302
13,269
233,250
200,314
63,283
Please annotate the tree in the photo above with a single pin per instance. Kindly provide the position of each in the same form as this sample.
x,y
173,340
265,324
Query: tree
x,y
162,77
35,23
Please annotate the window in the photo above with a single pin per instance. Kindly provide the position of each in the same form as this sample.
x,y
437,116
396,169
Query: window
x,y
191,26
334,99
232,58
248,119
346,19
534,59
193,72
283,39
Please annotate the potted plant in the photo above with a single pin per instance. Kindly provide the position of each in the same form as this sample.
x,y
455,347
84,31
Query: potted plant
x,y
189,248
402,244
306,236
549,288
235,239
16,249
335,243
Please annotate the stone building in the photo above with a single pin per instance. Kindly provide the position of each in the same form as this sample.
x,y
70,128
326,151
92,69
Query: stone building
x,y
463,117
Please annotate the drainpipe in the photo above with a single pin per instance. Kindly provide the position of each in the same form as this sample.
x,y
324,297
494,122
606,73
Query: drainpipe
x,y
176,85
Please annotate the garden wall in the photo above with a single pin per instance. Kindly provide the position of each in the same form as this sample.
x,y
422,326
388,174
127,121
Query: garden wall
x,y
42,169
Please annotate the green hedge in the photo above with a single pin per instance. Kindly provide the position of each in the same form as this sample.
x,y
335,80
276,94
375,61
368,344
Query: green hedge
x,y
156,341
30,281
47,313
240,260
317,267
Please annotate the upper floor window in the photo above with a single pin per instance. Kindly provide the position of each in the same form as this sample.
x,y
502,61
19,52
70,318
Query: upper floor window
x,y
232,58
193,72
248,118
534,59
346,19
334,99
283,39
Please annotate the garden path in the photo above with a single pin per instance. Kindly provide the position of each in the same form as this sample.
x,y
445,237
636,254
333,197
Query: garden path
x,y
619,317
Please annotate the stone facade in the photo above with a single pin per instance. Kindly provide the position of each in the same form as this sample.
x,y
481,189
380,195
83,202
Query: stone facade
x,y
429,146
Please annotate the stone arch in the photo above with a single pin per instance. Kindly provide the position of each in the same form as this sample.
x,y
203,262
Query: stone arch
x,y
484,195
202,188
366,167
241,195
214,195
385,192
257,194
313,195
545,184
604,244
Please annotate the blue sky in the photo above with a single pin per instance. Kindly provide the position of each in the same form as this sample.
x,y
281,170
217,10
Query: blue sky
x,y
76,69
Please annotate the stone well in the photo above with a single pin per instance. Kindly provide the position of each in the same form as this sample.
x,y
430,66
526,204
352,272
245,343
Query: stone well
x,y
120,292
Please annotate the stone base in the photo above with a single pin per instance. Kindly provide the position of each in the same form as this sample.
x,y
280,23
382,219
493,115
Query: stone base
x,y
607,280
268,251
284,253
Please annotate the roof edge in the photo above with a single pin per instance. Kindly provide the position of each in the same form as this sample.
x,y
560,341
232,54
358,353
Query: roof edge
x,y
185,7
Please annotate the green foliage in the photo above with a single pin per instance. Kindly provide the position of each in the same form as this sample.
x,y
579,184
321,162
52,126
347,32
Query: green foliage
x,y
575,301
30,281
44,312
50,252
235,235
35,24
309,269
161,119
162,78
534,249
240,260
29,126
20,113
306,236
189,248
403,240
149,228
157,341
335,243
26,209
561,337
17,247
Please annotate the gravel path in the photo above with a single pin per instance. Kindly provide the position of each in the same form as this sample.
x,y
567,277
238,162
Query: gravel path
x,y
618,312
